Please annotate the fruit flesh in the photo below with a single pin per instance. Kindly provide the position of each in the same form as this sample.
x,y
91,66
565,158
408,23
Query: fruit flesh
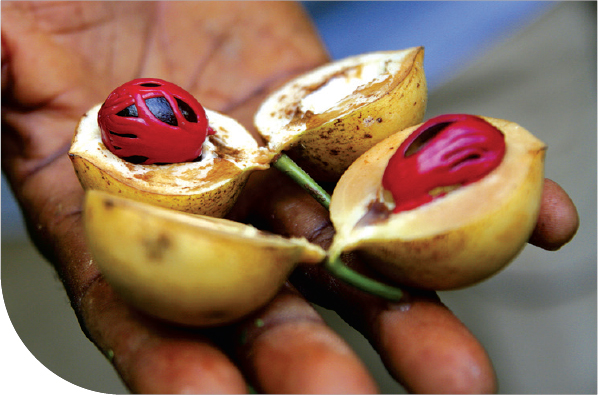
x,y
452,242
326,118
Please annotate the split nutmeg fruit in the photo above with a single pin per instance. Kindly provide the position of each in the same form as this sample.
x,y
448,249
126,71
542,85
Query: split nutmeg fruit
x,y
122,146
442,205
184,268
328,117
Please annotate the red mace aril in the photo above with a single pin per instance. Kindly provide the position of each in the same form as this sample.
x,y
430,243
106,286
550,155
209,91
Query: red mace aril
x,y
151,121
443,154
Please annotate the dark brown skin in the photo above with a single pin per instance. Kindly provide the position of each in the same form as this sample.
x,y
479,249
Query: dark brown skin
x,y
59,59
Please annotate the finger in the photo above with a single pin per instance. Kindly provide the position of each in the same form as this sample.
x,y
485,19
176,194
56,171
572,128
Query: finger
x,y
152,357
270,200
419,336
558,220
287,348
423,344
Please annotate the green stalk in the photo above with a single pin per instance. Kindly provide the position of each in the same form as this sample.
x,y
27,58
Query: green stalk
x,y
334,264
291,169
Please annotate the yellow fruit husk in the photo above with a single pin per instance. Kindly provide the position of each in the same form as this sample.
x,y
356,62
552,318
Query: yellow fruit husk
x,y
209,186
184,268
455,241
328,117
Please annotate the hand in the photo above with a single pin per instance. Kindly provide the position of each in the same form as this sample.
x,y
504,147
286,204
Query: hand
x,y
59,59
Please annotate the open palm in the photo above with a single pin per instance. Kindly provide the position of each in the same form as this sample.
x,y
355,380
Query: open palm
x,y
59,59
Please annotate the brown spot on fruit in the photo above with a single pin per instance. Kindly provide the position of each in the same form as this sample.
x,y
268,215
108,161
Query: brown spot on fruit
x,y
156,248
108,204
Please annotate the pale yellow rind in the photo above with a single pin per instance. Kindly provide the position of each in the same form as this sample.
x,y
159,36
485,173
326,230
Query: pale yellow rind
x,y
455,241
328,117
209,186
185,268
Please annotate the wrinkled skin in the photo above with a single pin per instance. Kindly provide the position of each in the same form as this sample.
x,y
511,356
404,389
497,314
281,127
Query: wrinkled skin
x,y
59,59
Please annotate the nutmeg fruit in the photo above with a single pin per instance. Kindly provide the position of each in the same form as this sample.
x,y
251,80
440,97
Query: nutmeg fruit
x,y
465,235
209,185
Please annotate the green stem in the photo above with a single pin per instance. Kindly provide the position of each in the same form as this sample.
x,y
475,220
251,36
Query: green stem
x,y
291,169
334,264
